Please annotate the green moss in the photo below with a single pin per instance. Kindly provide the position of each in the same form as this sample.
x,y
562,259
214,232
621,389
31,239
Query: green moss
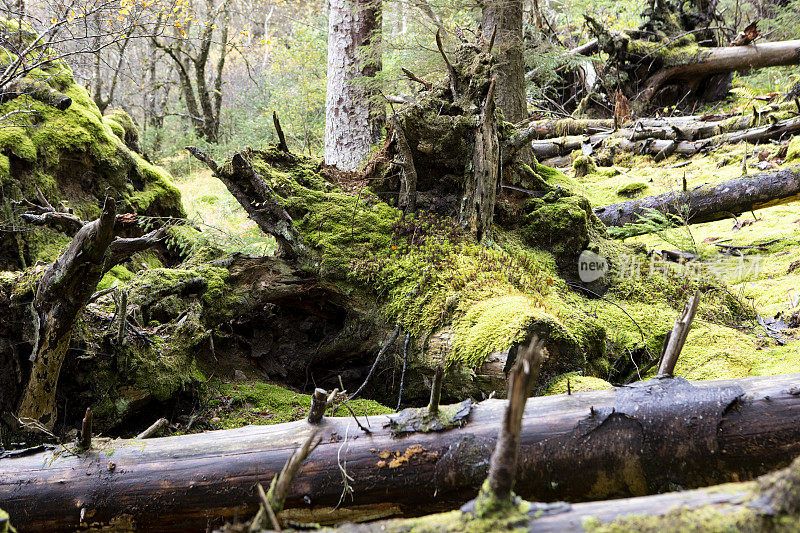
x,y
75,156
584,165
559,224
46,245
493,325
114,276
632,188
577,383
793,152
256,402
5,523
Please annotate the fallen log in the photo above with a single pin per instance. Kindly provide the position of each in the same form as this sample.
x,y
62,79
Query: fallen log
x,y
725,59
706,203
634,440
667,139
770,503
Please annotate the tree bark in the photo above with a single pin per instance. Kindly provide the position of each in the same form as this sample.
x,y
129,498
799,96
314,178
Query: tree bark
x,y
353,114
767,504
708,203
646,438
725,59
62,292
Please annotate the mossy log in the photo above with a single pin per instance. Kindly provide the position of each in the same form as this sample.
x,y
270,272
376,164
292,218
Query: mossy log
x,y
631,441
38,91
706,203
770,503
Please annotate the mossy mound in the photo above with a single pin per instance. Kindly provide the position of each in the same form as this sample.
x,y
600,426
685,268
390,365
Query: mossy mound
x,y
793,152
633,188
255,402
574,382
75,157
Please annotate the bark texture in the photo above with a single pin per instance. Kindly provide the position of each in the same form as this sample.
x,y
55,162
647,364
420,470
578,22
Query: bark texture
x,y
706,204
646,438
771,503
62,292
353,113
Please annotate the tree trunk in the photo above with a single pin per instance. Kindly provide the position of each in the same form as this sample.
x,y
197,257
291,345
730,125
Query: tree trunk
x,y
354,114
62,293
708,203
723,60
767,504
506,17
630,441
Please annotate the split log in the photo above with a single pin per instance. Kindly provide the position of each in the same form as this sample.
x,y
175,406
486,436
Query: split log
x,y
707,203
767,504
645,438
258,200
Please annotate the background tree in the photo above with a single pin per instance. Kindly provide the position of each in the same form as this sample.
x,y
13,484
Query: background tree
x,y
354,114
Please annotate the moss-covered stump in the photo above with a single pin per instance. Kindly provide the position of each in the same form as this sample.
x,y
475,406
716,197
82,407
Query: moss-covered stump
x,y
75,157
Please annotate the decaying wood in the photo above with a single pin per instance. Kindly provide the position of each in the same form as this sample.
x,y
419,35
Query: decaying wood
x,y
154,428
726,59
655,136
38,91
62,292
258,200
503,464
615,443
477,209
708,203
767,504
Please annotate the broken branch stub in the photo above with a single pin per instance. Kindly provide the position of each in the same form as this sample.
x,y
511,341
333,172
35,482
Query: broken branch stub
x,y
677,338
503,465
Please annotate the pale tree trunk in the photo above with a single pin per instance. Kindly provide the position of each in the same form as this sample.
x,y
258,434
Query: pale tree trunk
x,y
354,115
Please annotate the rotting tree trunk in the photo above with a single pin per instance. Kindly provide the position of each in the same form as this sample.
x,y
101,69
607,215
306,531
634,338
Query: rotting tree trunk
x,y
62,292
625,442
725,59
767,504
708,203
659,137
353,113
480,189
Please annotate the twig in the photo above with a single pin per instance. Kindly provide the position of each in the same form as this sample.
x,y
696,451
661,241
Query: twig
x,y
319,401
268,508
403,372
153,429
275,498
450,70
503,465
375,364
677,338
491,40
413,77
